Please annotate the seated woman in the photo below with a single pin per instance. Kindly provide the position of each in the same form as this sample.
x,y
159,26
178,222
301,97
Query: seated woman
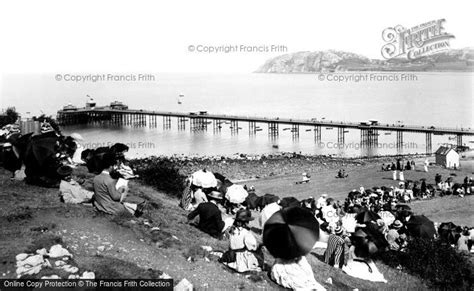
x,y
107,198
243,246
69,190
360,265
295,274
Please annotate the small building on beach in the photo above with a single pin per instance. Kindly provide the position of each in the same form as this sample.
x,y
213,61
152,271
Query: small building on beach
x,y
447,157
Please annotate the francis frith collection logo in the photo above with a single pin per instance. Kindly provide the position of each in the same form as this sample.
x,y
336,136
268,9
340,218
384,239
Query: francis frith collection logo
x,y
415,42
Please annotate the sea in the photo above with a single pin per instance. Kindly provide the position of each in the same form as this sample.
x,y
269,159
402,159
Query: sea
x,y
440,99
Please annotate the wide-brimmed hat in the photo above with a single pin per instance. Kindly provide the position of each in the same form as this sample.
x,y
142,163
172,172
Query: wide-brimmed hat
x,y
397,224
215,195
244,215
64,171
338,230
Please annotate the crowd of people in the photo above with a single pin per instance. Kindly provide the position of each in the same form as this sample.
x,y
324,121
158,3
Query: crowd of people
x,y
368,221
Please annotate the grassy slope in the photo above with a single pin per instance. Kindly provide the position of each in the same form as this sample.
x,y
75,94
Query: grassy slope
x,y
137,252
449,208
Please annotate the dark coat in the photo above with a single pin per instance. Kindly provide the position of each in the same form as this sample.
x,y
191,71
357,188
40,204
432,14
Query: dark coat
x,y
210,219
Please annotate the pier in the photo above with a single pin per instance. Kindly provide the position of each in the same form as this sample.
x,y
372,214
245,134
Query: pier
x,y
201,121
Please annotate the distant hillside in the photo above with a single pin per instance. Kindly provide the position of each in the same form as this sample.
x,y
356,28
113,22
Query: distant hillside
x,y
336,61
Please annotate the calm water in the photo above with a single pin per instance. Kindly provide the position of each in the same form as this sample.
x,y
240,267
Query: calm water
x,y
439,99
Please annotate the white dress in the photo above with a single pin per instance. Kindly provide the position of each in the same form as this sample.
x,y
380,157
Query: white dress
x,y
363,269
295,274
245,260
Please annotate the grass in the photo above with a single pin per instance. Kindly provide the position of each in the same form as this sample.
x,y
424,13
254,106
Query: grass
x,y
448,208
151,252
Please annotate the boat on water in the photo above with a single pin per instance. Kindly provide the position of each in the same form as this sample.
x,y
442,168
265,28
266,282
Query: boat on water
x,y
180,98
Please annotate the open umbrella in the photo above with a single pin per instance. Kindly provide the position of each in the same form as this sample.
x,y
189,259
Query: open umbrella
x,y
290,233
366,216
289,202
40,149
236,194
204,179
371,238
421,226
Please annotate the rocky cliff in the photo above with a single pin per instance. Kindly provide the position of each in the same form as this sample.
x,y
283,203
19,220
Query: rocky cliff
x,y
332,61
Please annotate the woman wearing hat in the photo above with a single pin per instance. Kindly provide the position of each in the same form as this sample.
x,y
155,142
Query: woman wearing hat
x,y
361,265
393,236
243,246
334,255
69,190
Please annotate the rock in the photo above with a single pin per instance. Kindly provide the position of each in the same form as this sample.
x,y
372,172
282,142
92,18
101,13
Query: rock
x,y
88,275
184,285
25,270
329,281
42,252
21,257
57,251
73,277
51,277
32,261
101,248
70,269
59,263
165,276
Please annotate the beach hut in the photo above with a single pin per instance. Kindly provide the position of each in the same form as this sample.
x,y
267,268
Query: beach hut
x,y
447,157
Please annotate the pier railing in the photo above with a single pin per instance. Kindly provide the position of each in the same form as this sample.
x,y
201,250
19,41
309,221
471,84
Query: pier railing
x,y
369,131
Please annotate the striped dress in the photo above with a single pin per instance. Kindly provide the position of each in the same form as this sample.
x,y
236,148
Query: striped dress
x,y
187,196
334,255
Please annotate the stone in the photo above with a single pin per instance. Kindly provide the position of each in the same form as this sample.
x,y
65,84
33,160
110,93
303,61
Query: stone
x,y
59,263
101,248
57,251
32,261
88,275
42,252
21,257
165,276
184,285
70,269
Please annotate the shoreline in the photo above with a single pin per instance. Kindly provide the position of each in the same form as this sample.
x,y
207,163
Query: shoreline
x,y
243,167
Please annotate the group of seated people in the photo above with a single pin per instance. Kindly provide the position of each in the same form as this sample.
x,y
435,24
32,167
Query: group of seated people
x,y
108,189
342,174
399,165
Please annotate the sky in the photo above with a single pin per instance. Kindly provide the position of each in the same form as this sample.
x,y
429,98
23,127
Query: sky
x,y
156,36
